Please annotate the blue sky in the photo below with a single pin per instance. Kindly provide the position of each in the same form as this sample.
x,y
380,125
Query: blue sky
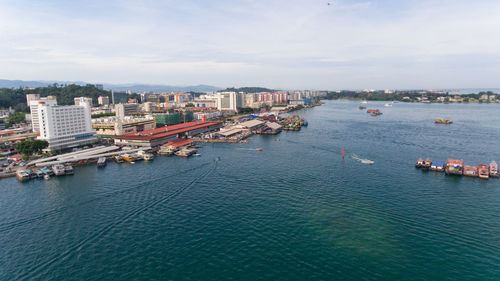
x,y
277,43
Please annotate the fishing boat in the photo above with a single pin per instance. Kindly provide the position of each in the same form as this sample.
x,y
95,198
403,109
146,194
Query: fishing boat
x,y
454,167
427,164
494,169
47,171
437,166
58,170
168,150
483,171
68,170
420,163
186,152
40,174
374,112
22,175
470,171
118,159
101,162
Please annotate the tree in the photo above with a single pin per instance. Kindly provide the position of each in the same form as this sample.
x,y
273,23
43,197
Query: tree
x,y
30,147
16,118
189,105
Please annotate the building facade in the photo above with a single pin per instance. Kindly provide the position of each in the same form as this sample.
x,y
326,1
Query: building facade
x,y
34,105
65,126
103,100
31,97
80,100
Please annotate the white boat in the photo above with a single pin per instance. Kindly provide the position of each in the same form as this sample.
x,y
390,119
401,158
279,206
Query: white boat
x,y
101,162
68,170
387,105
58,170
364,102
46,176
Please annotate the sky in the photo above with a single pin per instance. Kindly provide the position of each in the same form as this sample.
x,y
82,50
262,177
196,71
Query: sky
x,y
286,44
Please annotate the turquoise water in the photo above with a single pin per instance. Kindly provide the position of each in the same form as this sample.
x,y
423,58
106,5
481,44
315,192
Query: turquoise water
x,y
294,211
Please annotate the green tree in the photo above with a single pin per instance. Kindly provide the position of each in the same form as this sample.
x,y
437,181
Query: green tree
x,y
16,118
30,147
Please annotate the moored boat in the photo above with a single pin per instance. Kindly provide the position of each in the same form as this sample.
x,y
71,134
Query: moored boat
x,y
454,167
186,152
22,175
427,164
118,159
58,170
437,166
483,171
494,169
101,162
470,171
68,170
420,163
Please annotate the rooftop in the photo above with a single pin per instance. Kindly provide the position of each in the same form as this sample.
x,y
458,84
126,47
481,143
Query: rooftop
x,y
166,131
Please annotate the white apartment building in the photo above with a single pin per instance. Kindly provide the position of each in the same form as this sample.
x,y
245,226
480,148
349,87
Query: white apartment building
x,y
229,101
65,126
34,104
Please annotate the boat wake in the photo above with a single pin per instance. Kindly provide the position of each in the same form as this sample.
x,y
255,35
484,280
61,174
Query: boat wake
x,y
364,161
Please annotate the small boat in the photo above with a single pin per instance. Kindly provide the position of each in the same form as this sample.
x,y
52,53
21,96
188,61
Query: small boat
x,y
427,164
59,170
118,159
276,139
483,171
470,171
197,154
454,167
40,173
366,161
22,175
442,121
363,102
46,177
68,170
148,156
387,105
437,166
494,169
186,152
362,107
170,150
259,149
101,162
47,171
420,163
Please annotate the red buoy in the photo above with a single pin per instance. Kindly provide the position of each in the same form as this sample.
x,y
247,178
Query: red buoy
x,y
343,152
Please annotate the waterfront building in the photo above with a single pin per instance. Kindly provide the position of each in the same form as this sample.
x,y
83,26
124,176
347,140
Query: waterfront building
x,y
103,100
30,97
34,104
65,126
159,136
210,115
79,100
112,126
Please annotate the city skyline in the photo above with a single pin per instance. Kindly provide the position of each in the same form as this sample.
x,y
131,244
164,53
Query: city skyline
x,y
276,44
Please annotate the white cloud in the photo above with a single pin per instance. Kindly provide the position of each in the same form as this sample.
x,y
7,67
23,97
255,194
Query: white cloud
x,y
289,44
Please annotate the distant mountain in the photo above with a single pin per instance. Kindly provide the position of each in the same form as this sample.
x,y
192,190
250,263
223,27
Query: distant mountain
x,y
249,90
138,88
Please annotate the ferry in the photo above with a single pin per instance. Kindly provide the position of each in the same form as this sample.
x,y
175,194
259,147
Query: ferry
x,y
68,170
420,163
483,171
470,171
22,175
58,170
186,152
101,162
494,169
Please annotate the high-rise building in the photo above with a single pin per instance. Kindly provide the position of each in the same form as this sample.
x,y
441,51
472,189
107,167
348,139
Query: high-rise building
x,y
30,97
103,100
65,126
229,101
119,97
34,104
80,100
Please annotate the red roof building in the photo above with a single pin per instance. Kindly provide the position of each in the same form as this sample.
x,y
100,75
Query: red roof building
x,y
160,136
